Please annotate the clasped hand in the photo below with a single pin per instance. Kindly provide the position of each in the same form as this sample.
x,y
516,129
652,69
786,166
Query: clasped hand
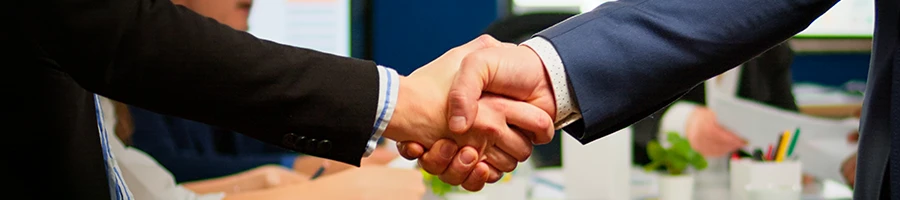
x,y
481,106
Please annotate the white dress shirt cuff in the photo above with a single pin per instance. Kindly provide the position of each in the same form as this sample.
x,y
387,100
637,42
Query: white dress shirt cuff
x,y
675,119
388,86
567,110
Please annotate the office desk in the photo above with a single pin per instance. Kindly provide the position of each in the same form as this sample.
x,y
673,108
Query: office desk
x,y
710,184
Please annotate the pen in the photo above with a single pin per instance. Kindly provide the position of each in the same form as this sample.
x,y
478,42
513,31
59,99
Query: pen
x,y
757,154
794,137
770,153
319,171
782,147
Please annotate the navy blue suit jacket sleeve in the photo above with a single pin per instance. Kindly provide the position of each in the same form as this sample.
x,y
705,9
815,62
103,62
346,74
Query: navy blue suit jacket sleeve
x,y
166,142
629,58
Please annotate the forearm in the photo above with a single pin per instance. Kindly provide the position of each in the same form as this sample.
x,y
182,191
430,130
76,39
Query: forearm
x,y
168,59
633,42
248,181
291,192
224,184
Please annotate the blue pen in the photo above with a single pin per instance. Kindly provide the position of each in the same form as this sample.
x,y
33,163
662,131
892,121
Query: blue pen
x,y
319,171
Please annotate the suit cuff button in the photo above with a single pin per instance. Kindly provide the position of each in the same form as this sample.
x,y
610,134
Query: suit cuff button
x,y
323,147
289,139
310,145
299,143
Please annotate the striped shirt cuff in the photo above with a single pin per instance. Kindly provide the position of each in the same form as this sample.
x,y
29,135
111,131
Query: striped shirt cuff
x,y
388,86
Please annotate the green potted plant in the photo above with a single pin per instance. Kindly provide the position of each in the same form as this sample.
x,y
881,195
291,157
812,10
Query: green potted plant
x,y
675,183
446,191
513,185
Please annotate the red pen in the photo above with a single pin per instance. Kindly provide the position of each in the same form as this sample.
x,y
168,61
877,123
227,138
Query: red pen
x,y
769,153
734,156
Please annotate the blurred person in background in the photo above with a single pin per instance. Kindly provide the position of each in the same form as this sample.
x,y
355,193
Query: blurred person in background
x,y
194,151
148,180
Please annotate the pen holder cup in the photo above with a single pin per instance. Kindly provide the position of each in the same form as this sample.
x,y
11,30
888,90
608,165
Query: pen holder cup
x,y
752,180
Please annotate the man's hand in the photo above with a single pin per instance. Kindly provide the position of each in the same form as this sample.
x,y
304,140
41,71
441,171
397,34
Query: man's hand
x,y
708,137
420,117
848,170
514,72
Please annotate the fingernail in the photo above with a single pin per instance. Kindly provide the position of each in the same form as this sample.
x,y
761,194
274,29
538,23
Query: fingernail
x,y
447,151
467,157
457,123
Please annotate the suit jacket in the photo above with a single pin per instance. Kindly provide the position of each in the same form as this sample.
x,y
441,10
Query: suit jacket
x,y
195,151
168,59
659,49
765,79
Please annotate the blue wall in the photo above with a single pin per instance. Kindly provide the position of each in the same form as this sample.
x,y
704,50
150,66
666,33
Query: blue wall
x,y
409,34
832,69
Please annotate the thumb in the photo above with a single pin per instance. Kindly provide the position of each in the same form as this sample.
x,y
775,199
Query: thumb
x,y
466,90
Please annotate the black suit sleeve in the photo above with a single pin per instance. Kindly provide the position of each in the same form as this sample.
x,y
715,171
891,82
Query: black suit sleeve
x,y
168,59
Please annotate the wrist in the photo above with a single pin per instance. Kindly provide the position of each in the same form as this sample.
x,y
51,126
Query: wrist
x,y
395,127
414,117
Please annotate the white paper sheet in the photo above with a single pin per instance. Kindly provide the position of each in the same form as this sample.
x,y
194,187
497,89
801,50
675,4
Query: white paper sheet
x,y
822,144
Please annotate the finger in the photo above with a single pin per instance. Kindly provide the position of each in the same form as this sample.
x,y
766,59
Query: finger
x,y
731,140
494,176
481,42
853,137
462,165
535,122
479,176
500,160
436,162
511,141
466,90
410,150
709,146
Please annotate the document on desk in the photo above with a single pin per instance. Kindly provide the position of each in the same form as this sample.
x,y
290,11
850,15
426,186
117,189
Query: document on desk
x,y
322,25
822,144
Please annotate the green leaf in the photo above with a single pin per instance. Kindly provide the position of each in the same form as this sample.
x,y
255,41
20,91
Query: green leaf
x,y
698,161
676,163
656,151
681,148
653,165
674,137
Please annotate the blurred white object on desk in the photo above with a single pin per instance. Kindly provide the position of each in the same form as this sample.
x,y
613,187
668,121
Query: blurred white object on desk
x,y
598,170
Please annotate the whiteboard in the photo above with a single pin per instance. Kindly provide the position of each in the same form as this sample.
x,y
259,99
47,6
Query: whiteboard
x,y
322,25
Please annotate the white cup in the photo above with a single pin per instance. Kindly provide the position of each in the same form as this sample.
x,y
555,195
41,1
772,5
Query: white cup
x,y
764,178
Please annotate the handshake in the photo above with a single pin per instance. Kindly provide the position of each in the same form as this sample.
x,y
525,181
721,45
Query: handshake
x,y
474,112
